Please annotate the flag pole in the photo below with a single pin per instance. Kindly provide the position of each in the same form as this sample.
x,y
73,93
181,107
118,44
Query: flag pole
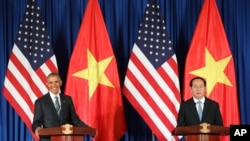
x,y
153,137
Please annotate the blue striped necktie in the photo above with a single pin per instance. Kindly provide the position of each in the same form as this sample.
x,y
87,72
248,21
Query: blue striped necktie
x,y
57,105
199,109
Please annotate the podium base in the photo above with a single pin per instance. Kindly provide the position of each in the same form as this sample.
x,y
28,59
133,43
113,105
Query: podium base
x,y
67,138
202,137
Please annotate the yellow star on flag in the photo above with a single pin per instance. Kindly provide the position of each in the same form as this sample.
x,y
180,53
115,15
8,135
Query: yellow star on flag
x,y
213,71
95,73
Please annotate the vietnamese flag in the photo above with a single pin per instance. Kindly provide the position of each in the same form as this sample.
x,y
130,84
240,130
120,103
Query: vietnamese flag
x,y
209,56
93,80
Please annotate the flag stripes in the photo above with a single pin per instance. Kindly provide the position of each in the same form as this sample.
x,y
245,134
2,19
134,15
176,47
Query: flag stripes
x,y
153,97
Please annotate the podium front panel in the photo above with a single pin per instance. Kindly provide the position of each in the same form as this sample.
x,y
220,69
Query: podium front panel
x,y
66,138
202,137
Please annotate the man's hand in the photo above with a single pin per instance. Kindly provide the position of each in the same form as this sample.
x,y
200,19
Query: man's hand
x,y
36,132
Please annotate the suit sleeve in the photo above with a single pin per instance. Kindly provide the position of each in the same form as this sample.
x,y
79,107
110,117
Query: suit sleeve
x,y
181,117
37,119
218,117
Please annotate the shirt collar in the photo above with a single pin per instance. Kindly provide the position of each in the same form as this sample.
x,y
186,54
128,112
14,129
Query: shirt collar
x,y
202,100
53,95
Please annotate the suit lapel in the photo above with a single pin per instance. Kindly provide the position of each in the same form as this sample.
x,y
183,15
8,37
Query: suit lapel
x,y
194,110
63,103
205,109
49,102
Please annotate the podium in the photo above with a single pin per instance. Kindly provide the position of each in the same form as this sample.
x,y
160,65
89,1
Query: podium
x,y
202,132
67,133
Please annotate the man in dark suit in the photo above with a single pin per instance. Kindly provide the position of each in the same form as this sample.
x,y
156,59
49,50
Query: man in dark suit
x,y
47,114
189,110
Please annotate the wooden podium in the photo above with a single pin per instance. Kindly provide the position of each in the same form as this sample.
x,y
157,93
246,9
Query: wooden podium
x,y
67,133
202,132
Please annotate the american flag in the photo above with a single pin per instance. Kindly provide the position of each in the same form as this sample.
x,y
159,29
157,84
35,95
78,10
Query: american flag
x,y
152,83
31,60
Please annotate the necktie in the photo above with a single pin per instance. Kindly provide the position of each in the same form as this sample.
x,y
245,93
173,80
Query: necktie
x,y
57,106
199,109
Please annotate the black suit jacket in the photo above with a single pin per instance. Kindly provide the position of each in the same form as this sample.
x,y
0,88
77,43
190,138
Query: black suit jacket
x,y
188,114
45,114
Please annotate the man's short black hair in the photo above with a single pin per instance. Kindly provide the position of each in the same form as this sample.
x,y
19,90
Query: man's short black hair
x,y
191,81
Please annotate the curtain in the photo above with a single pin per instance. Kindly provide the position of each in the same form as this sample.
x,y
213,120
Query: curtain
x,y
122,17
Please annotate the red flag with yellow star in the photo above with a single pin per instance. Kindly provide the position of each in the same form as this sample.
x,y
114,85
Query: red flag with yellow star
x,y
93,79
209,56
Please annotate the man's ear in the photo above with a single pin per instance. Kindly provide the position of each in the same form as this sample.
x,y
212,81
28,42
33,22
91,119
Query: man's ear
x,y
61,83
